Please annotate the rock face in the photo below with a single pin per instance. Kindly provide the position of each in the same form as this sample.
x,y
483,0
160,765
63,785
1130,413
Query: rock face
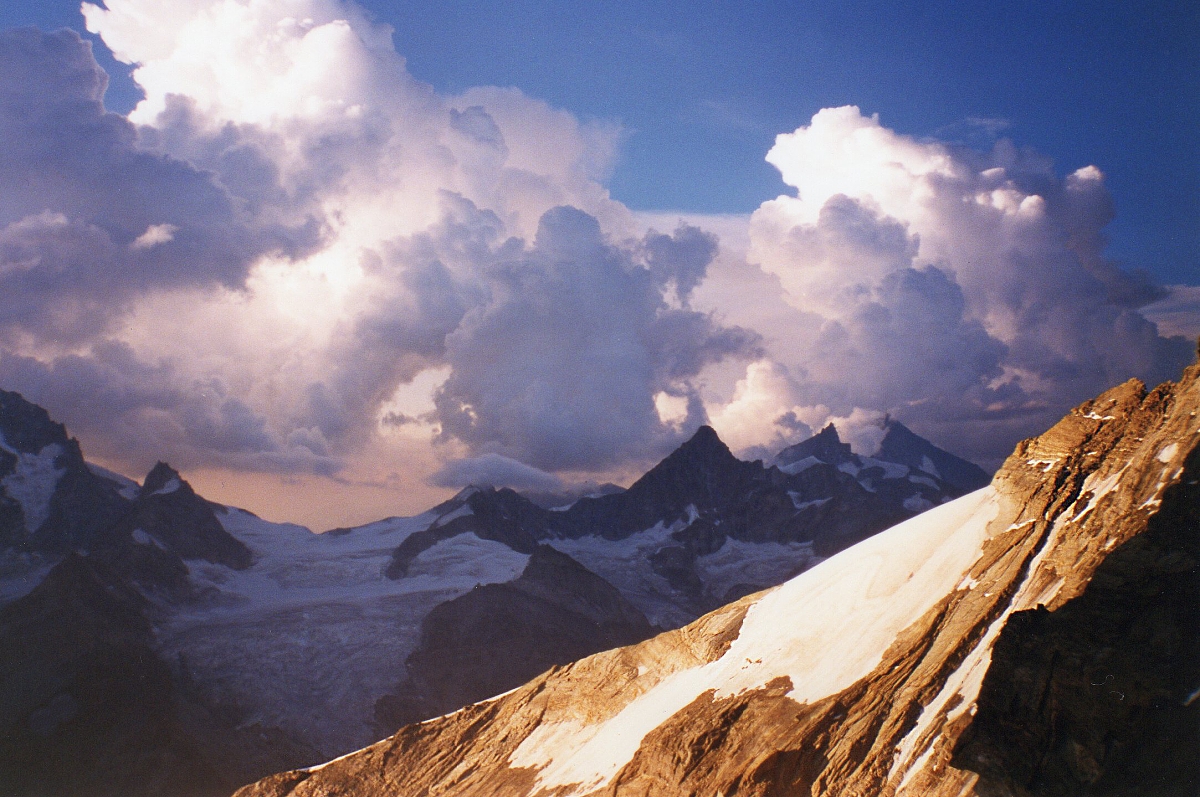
x,y
498,636
50,501
1036,637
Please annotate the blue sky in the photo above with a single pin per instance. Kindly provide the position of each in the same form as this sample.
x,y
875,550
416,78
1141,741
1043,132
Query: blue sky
x,y
702,88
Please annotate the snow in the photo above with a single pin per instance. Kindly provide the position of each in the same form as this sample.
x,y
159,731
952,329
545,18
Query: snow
x,y
33,482
762,564
1098,487
917,503
802,505
800,465
312,634
891,470
171,486
142,538
1168,453
626,565
127,487
925,480
928,466
463,511
824,630
849,467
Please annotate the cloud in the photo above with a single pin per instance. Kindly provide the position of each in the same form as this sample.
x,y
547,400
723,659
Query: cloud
x,y
1178,313
561,365
374,232
295,258
88,221
965,291
495,471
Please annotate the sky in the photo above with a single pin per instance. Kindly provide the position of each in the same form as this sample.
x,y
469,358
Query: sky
x,y
337,260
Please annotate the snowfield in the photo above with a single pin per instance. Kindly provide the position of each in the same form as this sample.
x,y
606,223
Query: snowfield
x,y
843,615
313,634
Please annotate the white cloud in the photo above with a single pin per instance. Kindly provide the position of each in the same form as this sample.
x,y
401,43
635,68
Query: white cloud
x,y
964,290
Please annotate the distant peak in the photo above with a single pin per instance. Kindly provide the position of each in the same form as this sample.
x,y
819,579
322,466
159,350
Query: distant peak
x,y
162,478
706,436
829,433
825,446
704,443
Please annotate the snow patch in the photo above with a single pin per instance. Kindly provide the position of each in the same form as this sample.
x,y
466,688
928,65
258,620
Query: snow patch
x,y
928,466
33,482
917,503
802,505
925,480
463,511
626,565
849,467
800,465
1168,453
171,486
142,538
891,470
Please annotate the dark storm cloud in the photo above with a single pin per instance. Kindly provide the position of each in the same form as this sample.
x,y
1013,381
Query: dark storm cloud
x,y
88,221
559,369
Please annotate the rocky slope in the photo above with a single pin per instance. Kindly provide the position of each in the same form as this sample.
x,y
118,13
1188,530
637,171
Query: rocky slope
x,y
1039,636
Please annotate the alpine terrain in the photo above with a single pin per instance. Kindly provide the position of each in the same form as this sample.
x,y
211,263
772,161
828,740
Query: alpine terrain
x,y
1038,636
153,642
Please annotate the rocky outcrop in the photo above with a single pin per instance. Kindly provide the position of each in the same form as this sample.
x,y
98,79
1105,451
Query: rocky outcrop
x,y
498,636
967,651
50,501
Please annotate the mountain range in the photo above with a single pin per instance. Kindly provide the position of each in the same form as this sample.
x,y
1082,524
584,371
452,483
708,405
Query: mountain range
x,y
153,642
1038,636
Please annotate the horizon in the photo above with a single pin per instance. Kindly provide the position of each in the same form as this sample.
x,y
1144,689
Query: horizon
x,y
309,253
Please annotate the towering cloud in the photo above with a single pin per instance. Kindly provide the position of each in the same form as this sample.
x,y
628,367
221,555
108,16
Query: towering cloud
x,y
293,229
965,291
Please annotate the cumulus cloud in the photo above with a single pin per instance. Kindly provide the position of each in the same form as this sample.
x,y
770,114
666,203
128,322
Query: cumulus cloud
x,y
293,257
494,470
88,221
965,291
373,232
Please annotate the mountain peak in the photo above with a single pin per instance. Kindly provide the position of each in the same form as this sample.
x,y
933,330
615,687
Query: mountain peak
x,y
705,438
824,445
905,447
161,478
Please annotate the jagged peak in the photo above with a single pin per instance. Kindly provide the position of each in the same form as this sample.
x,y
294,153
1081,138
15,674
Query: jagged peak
x,y
27,427
705,442
162,479
825,445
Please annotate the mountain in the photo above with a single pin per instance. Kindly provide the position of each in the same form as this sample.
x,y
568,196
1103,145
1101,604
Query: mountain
x,y
1039,636
254,646
702,527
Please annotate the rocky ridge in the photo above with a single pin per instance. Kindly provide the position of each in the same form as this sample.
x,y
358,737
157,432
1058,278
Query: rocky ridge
x,y
1036,637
